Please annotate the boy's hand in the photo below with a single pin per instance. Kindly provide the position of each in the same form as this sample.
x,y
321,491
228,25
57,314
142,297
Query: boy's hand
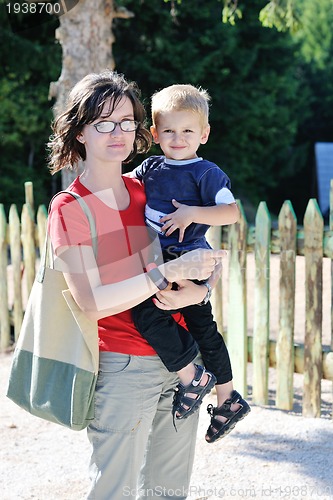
x,y
179,219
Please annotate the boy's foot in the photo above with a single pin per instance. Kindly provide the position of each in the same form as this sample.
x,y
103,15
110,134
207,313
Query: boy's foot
x,y
224,418
188,398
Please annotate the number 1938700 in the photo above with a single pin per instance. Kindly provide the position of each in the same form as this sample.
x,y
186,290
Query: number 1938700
x,y
34,8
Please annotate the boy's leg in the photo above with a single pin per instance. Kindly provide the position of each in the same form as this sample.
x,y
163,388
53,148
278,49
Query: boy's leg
x,y
125,406
231,407
203,328
171,341
170,453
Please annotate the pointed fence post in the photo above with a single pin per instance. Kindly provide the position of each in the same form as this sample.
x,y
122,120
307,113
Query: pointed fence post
x,y
16,261
313,251
29,195
41,227
261,305
28,243
4,313
285,342
237,307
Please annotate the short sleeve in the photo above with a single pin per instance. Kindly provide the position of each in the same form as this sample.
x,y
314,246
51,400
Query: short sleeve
x,y
140,170
67,223
215,187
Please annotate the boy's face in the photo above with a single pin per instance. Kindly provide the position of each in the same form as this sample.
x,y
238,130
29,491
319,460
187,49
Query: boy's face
x,y
179,134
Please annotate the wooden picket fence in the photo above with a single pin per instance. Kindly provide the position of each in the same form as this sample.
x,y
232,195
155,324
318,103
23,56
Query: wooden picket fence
x,y
314,242
21,239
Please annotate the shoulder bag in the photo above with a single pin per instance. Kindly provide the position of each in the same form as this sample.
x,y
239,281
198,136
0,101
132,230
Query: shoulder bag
x,y
55,362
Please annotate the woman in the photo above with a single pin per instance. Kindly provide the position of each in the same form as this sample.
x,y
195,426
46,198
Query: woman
x,y
136,452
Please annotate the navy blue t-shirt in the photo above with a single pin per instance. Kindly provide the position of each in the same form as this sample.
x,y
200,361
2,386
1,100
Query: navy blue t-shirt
x,y
195,182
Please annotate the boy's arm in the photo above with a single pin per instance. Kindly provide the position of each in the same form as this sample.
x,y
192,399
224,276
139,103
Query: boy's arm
x,y
216,215
137,172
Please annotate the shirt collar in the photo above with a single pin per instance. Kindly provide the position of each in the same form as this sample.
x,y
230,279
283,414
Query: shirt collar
x,y
182,162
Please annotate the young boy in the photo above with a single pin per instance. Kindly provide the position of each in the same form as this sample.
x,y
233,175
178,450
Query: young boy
x,y
186,195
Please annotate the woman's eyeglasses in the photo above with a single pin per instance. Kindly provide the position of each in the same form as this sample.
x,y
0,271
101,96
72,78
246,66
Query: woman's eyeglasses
x,y
106,127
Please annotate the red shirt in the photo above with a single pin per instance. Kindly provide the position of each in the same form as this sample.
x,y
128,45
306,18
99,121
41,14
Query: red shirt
x,y
122,236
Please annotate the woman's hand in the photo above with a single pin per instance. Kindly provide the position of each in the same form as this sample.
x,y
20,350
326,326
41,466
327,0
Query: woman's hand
x,y
195,265
188,293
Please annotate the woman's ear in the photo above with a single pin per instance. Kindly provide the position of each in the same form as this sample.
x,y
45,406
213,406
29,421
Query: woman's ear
x,y
154,133
80,138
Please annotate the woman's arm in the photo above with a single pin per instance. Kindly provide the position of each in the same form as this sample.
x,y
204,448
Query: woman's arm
x,y
188,293
98,300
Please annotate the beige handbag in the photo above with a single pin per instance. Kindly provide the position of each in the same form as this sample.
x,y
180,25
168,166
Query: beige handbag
x,y
55,362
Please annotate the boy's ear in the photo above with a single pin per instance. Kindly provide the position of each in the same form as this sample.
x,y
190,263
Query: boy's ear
x,y
154,133
205,134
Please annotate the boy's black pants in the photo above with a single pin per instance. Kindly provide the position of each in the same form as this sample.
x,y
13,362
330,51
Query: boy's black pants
x,y
176,346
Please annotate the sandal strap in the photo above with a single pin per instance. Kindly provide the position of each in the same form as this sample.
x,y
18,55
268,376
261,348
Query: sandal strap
x,y
214,428
218,429
224,410
181,400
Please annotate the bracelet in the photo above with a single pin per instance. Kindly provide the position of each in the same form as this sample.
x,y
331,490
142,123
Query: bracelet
x,y
207,296
157,277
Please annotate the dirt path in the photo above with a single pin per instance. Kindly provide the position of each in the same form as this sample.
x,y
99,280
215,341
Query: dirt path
x,y
270,454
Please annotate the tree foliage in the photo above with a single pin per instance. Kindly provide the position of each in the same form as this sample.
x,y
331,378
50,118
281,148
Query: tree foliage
x,y
258,97
29,60
271,89
281,14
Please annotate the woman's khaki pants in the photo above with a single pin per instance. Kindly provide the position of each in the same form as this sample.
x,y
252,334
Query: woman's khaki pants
x,y
137,452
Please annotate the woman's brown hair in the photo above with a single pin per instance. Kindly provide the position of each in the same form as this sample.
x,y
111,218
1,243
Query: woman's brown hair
x,y
85,105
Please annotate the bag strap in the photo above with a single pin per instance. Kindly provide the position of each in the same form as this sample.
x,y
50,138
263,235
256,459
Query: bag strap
x,y
88,214
93,232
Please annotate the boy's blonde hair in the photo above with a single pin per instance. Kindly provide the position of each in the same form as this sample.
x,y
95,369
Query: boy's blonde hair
x,y
181,97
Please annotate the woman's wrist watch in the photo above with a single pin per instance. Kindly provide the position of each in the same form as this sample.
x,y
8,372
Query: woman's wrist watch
x,y
157,277
208,294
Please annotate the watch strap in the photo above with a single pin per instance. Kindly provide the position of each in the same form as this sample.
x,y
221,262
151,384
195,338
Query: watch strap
x,y
157,277
208,294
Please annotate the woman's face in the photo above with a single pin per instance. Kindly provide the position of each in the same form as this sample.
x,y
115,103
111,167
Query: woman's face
x,y
109,147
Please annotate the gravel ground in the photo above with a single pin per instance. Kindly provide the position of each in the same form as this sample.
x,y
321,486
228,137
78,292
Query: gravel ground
x,y
270,454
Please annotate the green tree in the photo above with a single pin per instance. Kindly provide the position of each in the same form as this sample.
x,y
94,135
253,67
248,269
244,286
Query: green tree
x,y
315,42
258,97
29,60
271,91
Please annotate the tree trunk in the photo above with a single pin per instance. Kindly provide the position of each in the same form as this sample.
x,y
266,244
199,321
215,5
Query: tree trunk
x,y
85,34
